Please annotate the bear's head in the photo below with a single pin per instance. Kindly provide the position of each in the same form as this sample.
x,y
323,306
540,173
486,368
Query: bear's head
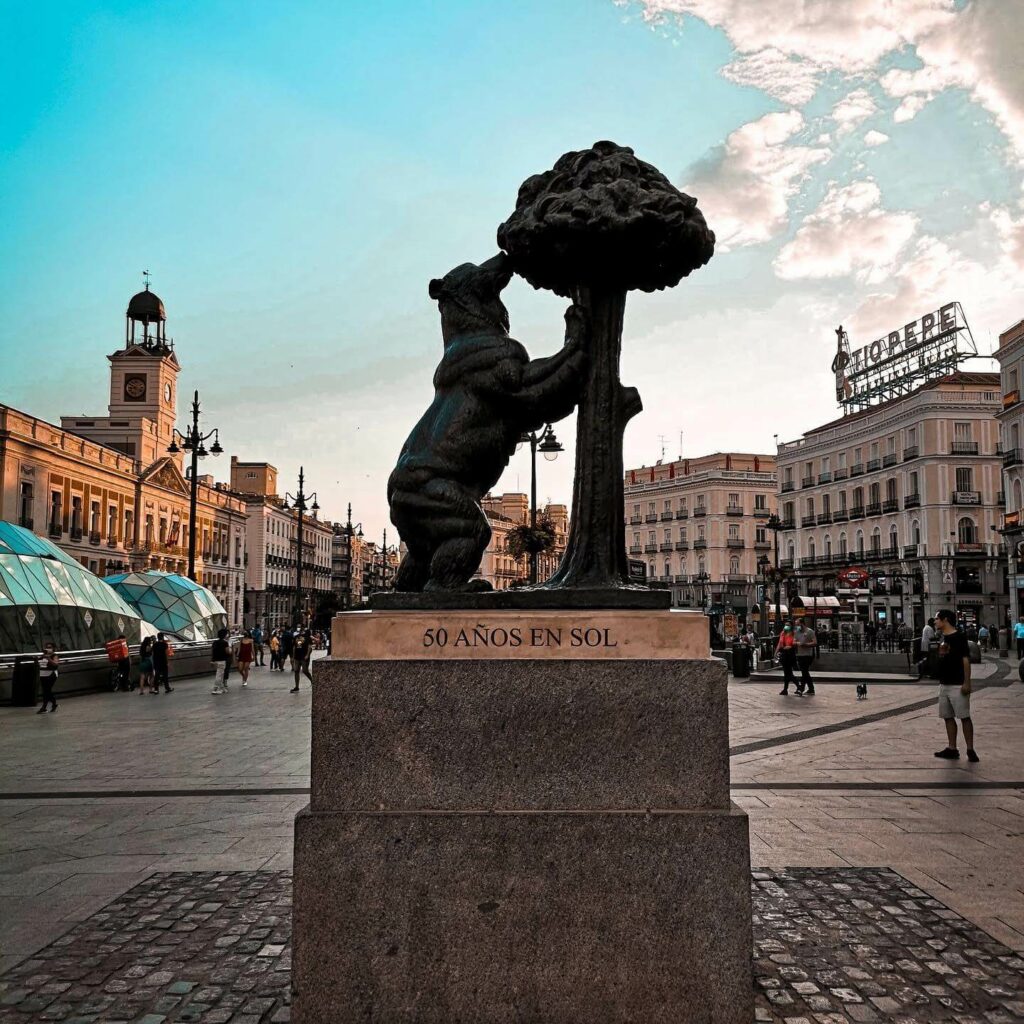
x,y
469,297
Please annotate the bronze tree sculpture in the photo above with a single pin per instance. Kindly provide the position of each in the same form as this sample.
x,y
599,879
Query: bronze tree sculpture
x,y
601,223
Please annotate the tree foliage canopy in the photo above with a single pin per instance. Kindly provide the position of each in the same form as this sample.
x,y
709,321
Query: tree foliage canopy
x,y
527,540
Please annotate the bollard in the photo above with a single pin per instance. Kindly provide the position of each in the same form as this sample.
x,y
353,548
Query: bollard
x,y
1004,643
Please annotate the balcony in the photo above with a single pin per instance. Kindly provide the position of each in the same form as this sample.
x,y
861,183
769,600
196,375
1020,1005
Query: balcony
x,y
761,513
1011,398
699,544
699,511
736,577
633,520
966,498
824,518
841,515
874,464
910,551
682,545
808,481
890,459
666,515
911,451
651,517
763,545
912,501
967,548
824,478
734,510
1011,521
56,530
682,513
112,542
873,508
890,505
635,549
788,524
857,469
94,537
857,512
735,542
651,548
963,448
839,474
808,520
1011,458
75,532
667,546
786,563
787,486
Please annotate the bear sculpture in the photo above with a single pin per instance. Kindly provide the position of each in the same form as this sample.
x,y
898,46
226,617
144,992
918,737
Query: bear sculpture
x,y
487,393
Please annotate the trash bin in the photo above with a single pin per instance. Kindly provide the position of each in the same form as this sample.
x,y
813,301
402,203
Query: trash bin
x,y
25,682
741,662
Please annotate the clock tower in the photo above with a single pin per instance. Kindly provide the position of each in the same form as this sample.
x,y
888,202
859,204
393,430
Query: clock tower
x,y
143,386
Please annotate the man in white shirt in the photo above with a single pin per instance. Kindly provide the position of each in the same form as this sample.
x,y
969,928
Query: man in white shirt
x,y
927,636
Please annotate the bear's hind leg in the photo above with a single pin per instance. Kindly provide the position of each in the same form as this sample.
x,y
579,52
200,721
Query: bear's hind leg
x,y
457,558
413,572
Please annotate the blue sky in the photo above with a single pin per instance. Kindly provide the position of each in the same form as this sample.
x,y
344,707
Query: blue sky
x,y
294,177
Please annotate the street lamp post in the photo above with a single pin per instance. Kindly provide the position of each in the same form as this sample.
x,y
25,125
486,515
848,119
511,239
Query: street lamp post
x,y
764,565
775,524
195,442
299,504
549,446
351,532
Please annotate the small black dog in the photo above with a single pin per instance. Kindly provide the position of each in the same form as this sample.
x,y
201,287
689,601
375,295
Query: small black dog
x,y
862,691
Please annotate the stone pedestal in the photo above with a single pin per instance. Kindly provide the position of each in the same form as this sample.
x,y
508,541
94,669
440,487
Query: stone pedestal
x,y
524,818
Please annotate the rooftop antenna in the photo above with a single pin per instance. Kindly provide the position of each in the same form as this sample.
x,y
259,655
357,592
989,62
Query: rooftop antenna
x,y
661,439
145,278
680,445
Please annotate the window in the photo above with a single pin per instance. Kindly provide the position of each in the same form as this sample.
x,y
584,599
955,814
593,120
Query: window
x,y
652,508
791,552
76,513
787,475
682,565
874,494
94,517
858,497
734,566
700,533
915,532
860,542
163,530
734,499
652,537
682,503
842,544
966,531
876,540
911,440
810,547
149,529
1017,496
787,512
112,522
636,511
682,533
636,540
668,536
808,470
734,531
890,489
912,482
700,565
842,500
964,478
810,506
1011,379
828,546
1015,435
962,431
890,445
56,511
760,501
874,449
668,568
700,502
841,460
667,507
894,538
858,455
26,501
761,535
826,504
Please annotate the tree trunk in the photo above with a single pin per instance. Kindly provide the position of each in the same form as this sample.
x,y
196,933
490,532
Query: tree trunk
x,y
595,553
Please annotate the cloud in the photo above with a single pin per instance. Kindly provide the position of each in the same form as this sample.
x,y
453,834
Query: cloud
x,y
874,138
848,235
787,46
744,186
853,108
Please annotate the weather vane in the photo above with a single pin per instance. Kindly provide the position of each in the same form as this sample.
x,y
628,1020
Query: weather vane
x,y
145,278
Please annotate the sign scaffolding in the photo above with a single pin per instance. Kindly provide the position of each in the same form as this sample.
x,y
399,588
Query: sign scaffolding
x,y
896,364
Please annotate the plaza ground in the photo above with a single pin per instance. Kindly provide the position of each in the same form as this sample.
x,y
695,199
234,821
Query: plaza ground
x,y
117,787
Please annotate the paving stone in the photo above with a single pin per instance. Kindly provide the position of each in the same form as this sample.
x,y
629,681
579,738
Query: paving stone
x,y
821,956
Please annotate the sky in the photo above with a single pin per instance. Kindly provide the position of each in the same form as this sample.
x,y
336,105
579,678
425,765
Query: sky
x,y
292,176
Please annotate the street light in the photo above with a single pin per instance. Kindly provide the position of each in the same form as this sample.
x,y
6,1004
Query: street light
x,y
350,532
764,566
299,504
195,442
549,446
774,524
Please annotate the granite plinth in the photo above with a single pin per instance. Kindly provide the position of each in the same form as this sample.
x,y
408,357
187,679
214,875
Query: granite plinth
x,y
539,735
625,597
554,917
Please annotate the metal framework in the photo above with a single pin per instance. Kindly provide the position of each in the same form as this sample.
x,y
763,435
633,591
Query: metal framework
x,y
903,360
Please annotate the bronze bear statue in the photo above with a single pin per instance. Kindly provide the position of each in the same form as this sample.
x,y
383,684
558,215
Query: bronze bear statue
x,y
487,393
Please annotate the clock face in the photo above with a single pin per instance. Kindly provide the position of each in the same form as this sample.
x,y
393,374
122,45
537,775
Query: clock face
x,y
167,393
134,388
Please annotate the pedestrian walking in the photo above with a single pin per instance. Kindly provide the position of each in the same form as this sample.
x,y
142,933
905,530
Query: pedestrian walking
x,y
806,646
220,655
983,636
954,672
927,636
49,669
785,651
161,664
302,651
246,654
1018,635
275,651
257,642
146,677
287,642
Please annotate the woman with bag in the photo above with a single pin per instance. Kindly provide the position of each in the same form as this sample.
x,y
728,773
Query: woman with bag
x,y
785,651
246,656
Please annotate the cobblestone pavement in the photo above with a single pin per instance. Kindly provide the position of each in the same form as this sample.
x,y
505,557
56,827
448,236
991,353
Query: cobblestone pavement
x,y
832,946
116,787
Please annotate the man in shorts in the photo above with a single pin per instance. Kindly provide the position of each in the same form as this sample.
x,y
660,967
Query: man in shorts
x,y
954,675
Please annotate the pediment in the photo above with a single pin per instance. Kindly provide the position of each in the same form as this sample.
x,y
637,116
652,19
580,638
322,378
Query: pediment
x,y
164,473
